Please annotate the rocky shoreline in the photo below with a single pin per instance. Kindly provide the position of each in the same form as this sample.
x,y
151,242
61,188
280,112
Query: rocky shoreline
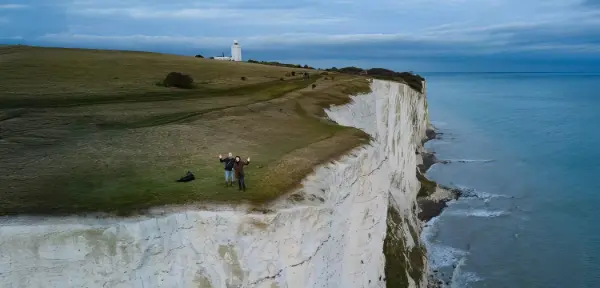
x,y
432,198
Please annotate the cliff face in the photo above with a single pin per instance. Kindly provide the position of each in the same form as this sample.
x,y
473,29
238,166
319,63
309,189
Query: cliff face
x,y
396,117
353,224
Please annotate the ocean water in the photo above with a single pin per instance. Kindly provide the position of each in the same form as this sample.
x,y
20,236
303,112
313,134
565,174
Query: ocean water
x,y
533,218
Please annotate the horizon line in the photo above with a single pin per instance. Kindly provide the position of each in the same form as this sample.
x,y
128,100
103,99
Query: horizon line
x,y
512,72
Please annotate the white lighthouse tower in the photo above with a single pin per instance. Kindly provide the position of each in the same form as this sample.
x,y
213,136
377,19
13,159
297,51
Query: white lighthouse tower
x,y
236,51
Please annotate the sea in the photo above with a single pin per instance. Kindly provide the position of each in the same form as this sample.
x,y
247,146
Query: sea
x,y
526,149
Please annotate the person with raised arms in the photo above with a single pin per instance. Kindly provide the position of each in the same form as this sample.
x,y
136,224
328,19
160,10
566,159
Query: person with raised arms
x,y
238,167
229,162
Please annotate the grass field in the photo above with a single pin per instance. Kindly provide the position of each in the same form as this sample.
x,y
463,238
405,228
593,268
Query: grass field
x,y
89,131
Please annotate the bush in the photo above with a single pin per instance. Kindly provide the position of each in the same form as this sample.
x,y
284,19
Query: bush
x,y
243,78
179,80
199,56
413,80
281,79
351,70
274,63
293,73
314,86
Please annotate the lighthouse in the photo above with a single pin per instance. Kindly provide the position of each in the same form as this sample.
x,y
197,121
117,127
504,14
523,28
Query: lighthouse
x,y
236,51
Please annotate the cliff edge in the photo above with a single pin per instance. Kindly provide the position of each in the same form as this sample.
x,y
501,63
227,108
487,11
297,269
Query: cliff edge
x,y
352,224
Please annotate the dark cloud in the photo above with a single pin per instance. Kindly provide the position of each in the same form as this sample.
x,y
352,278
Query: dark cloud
x,y
412,38
594,3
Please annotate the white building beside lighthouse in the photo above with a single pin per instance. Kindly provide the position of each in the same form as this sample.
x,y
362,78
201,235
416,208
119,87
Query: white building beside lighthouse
x,y
236,51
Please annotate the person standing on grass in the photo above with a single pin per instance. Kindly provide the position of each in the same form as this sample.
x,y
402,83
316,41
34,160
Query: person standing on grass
x,y
229,162
238,166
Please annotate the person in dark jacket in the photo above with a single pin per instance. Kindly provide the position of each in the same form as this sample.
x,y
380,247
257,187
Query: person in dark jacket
x,y
238,167
229,161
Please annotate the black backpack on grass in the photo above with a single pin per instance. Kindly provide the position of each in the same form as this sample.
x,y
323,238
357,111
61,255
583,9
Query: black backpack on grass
x,y
187,178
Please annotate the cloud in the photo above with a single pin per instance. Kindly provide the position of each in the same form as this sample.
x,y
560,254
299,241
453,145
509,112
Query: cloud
x,y
557,27
591,3
11,38
303,29
325,45
262,41
227,12
238,4
247,17
12,6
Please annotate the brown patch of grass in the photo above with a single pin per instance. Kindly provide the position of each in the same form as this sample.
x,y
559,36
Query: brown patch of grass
x,y
260,210
87,144
427,186
258,224
297,197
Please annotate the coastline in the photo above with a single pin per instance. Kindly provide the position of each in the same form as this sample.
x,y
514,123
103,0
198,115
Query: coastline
x,y
306,245
226,244
433,199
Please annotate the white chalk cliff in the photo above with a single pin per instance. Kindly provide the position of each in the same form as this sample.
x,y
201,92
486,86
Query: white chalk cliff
x,y
368,207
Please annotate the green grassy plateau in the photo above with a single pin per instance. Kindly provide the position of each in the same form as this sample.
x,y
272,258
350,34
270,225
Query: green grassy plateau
x,y
89,131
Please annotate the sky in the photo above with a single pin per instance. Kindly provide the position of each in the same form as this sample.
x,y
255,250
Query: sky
x,y
409,35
